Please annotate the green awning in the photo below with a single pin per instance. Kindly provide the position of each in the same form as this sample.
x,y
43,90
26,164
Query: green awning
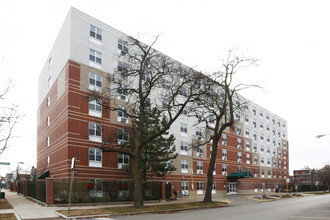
x,y
43,175
237,175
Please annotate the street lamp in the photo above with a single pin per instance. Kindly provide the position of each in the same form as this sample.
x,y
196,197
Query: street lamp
x,y
321,135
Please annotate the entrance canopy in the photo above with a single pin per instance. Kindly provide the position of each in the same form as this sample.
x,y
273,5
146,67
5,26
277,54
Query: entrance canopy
x,y
237,175
43,175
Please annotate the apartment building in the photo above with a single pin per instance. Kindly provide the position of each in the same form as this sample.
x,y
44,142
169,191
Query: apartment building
x,y
252,155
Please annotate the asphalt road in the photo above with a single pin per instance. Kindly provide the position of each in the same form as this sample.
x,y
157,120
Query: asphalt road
x,y
311,207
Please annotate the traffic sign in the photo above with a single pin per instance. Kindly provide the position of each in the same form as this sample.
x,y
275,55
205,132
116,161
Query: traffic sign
x,y
4,163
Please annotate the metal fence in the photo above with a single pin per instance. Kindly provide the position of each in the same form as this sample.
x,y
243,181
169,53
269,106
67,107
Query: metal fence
x,y
37,190
103,191
20,187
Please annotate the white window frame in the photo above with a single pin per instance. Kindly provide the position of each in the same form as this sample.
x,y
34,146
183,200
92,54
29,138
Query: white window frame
x,y
48,121
47,161
239,143
248,158
97,32
224,139
200,188
224,154
199,167
183,129
224,169
122,136
95,56
48,141
95,132
95,82
239,157
184,166
123,160
94,108
122,115
184,148
122,46
95,159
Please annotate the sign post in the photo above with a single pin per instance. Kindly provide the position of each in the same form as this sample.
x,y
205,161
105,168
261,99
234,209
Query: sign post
x,y
73,164
192,184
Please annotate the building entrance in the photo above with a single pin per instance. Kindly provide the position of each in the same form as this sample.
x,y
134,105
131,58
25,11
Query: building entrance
x,y
232,188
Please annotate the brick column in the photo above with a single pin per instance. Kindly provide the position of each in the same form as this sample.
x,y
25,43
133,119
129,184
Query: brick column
x,y
25,188
163,191
15,187
49,191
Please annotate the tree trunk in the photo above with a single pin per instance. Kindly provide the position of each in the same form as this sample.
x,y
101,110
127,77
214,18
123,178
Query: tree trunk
x,y
208,192
138,193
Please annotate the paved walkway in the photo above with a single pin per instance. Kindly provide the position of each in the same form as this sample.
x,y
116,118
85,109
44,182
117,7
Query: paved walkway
x,y
26,209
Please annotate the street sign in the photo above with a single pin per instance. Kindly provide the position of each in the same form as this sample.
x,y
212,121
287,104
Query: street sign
x,y
4,163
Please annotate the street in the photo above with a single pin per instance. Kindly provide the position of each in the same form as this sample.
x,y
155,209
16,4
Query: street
x,y
311,207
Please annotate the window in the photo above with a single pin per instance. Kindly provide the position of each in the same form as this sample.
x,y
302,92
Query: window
x,y
122,91
246,119
213,188
239,143
269,173
224,169
95,108
274,153
223,121
279,154
95,157
255,148
273,130
199,167
211,135
47,161
248,169
238,129
279,134
224,154
247,132
255,135
239,169
267,117
49,63
279,124
284,166
198,132
47,141
95,32
274,142
262,173
247,145
168,164
261,114
279,164
255,172
95,132
239,157
199,115
262,149
183,128
254,123
122,67
261,125
212,119
185,111
122,114
254,110
97,188
256,186
184,166
184,147
185,186
280,174
49,82
224,139
248,159
47,121
122,135
268,162
237,117
267,128
274,174
123,160
279,144
146,77
48,101
95,56
122,46
268,150
214,169
268,140
255,160
166,85
273,120
199,188
262,160
165,104
284,154
199,150
262,137
95,82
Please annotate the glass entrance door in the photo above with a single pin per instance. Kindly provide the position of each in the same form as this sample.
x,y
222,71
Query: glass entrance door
x,y
232,188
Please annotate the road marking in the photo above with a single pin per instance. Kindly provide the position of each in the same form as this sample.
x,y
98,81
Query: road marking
x,y
306,217
262,200
227,201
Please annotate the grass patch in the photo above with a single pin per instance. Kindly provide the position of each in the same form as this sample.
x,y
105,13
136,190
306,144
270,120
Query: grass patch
x,y
149,208
4,204
8,216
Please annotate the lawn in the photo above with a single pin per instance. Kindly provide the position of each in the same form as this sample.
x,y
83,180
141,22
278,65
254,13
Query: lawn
x,y
8,216
4,204
150,208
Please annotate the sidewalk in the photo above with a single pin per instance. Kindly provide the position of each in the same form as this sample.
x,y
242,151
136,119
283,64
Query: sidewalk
x,y
26,209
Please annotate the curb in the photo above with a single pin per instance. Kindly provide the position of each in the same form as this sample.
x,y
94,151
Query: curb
x,y
139,213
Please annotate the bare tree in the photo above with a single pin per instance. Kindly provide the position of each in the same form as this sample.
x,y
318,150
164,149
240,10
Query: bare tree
x,y
323,176
146,86
8,118
219,104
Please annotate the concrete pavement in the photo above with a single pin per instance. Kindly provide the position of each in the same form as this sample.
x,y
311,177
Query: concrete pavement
x,y
26,209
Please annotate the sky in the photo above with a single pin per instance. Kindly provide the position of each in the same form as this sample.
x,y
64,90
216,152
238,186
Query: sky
x,y
289,38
